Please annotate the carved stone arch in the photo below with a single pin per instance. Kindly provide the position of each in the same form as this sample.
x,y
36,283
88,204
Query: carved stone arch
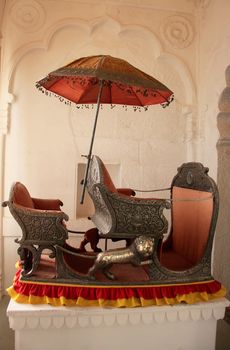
x,y
174,73
189,86
89,27
94,26
44,43
105,21
150,37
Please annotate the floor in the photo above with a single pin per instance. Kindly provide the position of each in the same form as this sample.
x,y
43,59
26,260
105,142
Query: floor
x,y
7,335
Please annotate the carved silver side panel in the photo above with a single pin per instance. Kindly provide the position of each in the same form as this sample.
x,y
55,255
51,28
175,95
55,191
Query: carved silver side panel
x,y
134,217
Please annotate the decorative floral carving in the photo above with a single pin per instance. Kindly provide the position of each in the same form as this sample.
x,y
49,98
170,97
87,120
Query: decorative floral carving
x,y
194,176
136,217
42,228
27,14
177,31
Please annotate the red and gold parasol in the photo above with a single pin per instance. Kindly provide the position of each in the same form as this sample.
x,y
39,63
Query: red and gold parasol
x,y
104,79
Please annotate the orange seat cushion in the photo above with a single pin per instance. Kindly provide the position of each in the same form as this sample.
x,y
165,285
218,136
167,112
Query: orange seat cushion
x,y
21,196
107,180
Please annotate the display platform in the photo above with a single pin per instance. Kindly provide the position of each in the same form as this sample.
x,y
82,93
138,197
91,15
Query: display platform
x,y
182,326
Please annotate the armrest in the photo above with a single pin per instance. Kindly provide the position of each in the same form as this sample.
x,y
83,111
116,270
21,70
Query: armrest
x,y
47,204
41,212
119,196
140,200
126,191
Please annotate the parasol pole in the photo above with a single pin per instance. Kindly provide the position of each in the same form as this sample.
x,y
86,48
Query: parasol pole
x,y
92,140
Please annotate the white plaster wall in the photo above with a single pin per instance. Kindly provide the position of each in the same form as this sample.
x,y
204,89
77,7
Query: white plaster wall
x,y
45,138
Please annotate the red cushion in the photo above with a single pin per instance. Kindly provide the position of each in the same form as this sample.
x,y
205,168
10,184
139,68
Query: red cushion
x,y
174,261
21,196
107,179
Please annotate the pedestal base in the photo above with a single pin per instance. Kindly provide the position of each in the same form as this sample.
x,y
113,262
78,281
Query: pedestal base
x,y
187,327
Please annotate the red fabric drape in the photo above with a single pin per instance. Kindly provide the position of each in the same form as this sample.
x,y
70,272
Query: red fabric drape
x,y
56,294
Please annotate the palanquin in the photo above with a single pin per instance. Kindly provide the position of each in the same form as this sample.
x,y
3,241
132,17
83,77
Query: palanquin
x,y
152,253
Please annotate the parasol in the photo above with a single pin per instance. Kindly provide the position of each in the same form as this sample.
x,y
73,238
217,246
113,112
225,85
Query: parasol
x,y
104,79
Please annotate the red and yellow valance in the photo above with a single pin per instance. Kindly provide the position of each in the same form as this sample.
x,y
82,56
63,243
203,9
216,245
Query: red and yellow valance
x,y
109,296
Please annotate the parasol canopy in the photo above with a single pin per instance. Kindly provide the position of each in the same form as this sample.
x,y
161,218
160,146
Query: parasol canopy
x,y
104,79
79,82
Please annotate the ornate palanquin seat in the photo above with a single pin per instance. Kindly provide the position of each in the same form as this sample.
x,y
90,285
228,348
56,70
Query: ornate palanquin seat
x,y
42,225
157,266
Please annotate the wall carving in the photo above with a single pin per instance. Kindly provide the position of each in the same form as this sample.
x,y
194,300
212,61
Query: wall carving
x,y
28,15
4,114
93,28
130,35
201,3
177,31
3,121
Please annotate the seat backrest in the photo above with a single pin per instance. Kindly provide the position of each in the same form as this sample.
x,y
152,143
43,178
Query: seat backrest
x,y
106,178
98,177
20,195
99,174
194,211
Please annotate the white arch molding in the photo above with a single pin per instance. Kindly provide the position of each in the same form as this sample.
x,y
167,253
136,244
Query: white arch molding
x,y
129,32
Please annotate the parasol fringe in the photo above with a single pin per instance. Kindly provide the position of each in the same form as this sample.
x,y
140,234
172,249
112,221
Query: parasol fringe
x,y
87,106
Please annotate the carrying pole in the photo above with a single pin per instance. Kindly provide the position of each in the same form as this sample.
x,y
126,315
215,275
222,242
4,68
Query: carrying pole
x,y
92,141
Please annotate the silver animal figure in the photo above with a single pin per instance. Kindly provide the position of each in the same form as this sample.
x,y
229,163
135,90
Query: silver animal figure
x,y
137,253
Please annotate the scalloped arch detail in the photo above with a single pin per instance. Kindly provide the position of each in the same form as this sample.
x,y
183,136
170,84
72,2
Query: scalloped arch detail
x,y
122,31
